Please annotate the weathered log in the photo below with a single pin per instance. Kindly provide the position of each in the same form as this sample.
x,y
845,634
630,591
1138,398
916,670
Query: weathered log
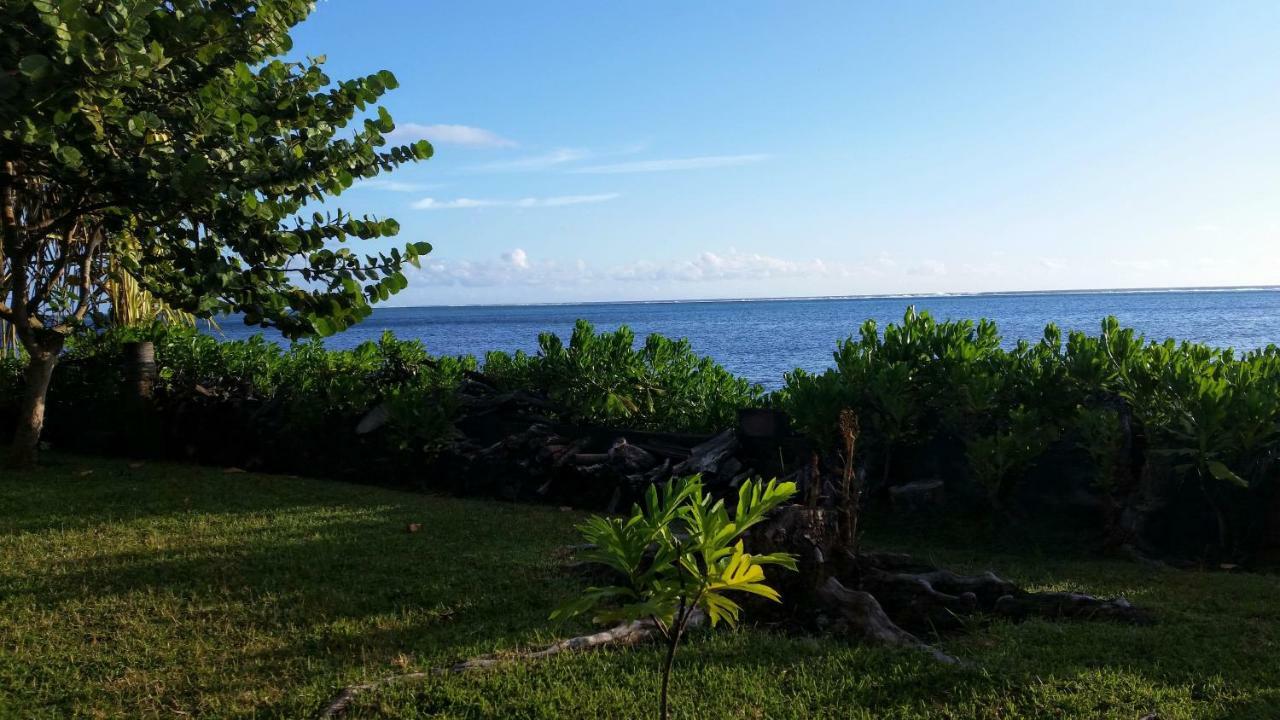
x,y
707,457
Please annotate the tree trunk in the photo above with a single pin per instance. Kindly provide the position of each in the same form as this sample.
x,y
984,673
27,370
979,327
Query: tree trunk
x,y
26,439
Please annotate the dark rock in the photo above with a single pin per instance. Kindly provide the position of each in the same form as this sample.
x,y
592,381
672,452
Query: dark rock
x,y
630,459
374,419
918,496
763,423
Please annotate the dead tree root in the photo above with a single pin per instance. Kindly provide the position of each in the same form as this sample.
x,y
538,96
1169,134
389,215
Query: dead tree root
x,y
892,599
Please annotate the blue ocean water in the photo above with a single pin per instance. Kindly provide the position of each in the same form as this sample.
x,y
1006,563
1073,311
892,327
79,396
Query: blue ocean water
x,y
761,339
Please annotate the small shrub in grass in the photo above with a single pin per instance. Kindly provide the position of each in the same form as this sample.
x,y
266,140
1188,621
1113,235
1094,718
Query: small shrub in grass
x,y
680,554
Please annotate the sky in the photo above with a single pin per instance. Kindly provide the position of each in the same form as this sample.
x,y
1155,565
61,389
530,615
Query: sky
x,y
597,151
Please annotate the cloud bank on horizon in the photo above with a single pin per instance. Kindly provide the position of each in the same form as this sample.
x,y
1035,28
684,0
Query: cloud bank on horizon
x,y
733,274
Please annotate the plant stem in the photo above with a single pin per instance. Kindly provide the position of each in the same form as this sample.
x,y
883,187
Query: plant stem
x,y
672,641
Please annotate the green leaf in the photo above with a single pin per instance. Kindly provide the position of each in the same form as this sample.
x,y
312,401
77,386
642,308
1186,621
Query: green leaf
x,y
69,155
1222,472
36,67
385,123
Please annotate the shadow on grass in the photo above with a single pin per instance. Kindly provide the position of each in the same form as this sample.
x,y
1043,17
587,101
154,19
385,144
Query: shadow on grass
x,y
316,585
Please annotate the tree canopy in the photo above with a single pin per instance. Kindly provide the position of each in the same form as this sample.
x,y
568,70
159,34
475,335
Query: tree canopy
x,y
180,126
179,119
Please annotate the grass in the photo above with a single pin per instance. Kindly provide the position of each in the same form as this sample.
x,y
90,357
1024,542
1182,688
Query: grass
x,y
172,591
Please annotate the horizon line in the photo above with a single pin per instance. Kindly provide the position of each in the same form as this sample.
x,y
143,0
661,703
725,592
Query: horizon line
x,y
870,296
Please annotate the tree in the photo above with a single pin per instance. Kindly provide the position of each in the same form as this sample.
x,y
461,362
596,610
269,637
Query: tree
x,y
177,122
679,555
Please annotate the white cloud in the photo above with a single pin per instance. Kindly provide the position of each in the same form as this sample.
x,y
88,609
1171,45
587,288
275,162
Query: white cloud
x,y
979,268
1142,265
518,258
448,135
512,268
928,267
711,266
395,186
516,268
531,163
429,203
692,163
1053,264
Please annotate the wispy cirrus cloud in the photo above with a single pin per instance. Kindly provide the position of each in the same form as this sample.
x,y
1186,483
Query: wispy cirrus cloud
x,y
429,203
544,161
671,164
443,134
396,186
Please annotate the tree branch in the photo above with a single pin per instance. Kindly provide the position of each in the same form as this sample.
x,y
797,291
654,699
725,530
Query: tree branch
x,y
59,267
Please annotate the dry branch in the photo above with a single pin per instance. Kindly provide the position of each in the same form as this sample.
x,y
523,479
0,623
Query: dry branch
x,y
625,634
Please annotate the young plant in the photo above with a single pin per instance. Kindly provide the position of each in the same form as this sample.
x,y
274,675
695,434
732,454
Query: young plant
x,y
850,484
679,555
997,460
1100,434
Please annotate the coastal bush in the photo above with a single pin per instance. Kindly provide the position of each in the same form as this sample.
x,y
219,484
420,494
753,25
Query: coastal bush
x,y
291,408
605,378
952,398
1106,421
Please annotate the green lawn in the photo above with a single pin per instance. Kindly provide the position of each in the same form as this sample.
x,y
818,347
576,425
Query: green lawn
x,y
172,591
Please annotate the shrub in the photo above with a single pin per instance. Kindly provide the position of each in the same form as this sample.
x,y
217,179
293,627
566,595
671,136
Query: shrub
x,y
679,554
1209,416
292,408
605,378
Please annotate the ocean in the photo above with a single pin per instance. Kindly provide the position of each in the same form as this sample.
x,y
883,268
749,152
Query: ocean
x,y
762,339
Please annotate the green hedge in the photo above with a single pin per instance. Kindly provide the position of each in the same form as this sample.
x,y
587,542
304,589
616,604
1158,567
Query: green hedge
x,y
1196,415
935,399
603,378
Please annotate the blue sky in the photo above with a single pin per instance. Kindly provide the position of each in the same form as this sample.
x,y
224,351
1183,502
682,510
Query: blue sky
x,y
663,150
